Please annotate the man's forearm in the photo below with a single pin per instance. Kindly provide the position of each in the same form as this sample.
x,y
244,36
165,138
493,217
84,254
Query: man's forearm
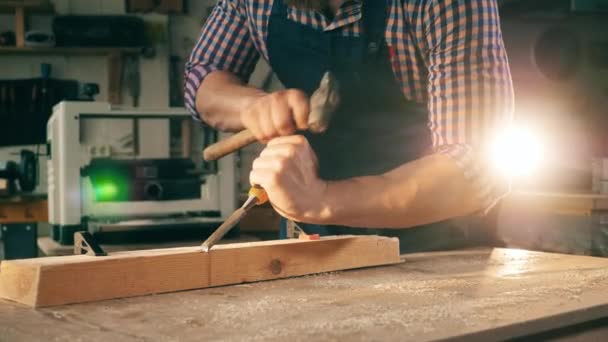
x,y
222,97
427,190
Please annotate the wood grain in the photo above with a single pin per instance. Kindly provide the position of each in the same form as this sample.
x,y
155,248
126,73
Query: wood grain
x,y
559,203
474,295
76,279
25,211
20,26
115,66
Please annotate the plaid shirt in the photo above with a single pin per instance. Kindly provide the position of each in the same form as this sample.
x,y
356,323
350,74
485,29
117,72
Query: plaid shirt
x,y
448,54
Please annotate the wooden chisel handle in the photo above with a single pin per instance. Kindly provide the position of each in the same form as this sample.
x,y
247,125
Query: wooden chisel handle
x,y
225,147
323,102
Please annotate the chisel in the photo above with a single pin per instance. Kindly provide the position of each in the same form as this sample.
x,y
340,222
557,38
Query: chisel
x,y
257,196
323,103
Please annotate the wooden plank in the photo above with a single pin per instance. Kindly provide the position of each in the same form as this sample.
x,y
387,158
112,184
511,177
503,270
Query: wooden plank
x,y
50,247
68,51
559,203
32,7
75,279
24,212
115,65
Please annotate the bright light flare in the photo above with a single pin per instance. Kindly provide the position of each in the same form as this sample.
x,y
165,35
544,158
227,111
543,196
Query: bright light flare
x,y
517,152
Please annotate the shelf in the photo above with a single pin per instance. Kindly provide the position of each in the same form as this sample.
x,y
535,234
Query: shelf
x,y
68,51
113,55
32,7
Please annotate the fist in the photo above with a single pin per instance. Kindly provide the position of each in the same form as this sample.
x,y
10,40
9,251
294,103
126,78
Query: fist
x,y
288,170
277,114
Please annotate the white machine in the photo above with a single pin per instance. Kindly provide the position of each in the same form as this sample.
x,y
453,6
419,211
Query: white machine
x,y
113,168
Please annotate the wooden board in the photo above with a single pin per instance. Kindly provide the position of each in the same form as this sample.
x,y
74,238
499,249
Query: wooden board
x,y
76,279
559,203
68,51
19,26
25,211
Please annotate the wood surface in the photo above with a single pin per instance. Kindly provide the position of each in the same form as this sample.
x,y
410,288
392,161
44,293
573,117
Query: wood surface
x,y
115,70
474,295
50,247
19,26
26,211
76,279
32,7
68,51
559,203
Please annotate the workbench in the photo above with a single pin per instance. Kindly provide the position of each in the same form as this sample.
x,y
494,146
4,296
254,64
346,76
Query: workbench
x,y
19,218
485,294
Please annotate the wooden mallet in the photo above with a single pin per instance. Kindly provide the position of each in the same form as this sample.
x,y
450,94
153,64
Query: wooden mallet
x,y
323,103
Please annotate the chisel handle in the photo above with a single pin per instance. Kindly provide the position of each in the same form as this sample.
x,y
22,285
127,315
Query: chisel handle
x,y
259,193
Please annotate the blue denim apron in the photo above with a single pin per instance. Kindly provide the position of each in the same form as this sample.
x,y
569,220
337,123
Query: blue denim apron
x,y
376,128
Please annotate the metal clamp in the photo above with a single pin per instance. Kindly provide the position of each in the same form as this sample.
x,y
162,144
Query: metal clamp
x,y
294,231
84,243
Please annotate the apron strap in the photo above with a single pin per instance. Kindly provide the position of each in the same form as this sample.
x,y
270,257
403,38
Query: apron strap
x,y
374,23
279,8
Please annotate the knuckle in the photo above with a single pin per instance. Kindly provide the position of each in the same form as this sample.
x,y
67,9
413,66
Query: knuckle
x,y
259,134
300,140
253,176
276,97
296,94
285,127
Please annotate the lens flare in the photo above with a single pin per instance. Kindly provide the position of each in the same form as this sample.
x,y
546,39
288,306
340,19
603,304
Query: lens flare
x,y
517,152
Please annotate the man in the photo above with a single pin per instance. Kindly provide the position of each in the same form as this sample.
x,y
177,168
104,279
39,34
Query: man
x,y
424,84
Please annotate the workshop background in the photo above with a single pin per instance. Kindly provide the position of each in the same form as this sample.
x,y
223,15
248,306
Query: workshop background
x,y
143,74
99,158
158,78
558,52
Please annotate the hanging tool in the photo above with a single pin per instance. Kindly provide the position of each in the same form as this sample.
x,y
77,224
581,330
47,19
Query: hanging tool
x,y
19,177
323,102
257,196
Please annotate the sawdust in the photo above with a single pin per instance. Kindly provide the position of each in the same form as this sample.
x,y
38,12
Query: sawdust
x,y
419,300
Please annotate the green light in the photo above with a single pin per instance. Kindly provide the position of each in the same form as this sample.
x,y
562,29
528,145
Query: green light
x,y
106,191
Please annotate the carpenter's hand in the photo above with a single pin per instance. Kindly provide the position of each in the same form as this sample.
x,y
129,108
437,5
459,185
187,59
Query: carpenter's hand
x,y
288,170
277,114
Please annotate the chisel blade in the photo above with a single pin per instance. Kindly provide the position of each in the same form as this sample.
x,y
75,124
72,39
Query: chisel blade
x,y
219,233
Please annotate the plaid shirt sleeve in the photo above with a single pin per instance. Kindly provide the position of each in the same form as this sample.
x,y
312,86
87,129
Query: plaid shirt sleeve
x,y
470,89
224,44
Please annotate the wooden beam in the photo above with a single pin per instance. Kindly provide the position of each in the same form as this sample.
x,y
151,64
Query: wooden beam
x,y
559,203
24,211
20,26
115,70
75,279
